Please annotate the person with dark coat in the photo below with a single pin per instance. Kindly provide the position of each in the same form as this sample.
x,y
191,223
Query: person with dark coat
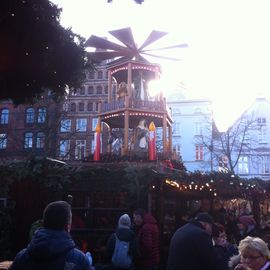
x,y
224,249
124,233
191,247
51,247
148,239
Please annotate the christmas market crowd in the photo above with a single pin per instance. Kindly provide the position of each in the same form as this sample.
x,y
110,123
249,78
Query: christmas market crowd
x,y
220,235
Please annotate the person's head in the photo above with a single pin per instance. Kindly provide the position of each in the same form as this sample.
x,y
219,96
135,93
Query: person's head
x,y
217,205
205,205
254,252
138,216
206,220
219,234
124,221
245,222
57,216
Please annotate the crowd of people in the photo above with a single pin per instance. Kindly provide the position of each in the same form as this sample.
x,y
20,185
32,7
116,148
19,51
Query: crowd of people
x,y
209,239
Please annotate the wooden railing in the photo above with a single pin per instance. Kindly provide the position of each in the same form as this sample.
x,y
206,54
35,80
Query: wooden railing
x,y
133,103
114,105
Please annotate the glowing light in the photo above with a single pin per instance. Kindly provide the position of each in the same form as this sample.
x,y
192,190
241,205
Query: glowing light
x,y
172,183
154,88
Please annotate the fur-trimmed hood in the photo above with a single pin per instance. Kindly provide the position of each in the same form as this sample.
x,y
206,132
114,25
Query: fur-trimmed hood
x,y
234,260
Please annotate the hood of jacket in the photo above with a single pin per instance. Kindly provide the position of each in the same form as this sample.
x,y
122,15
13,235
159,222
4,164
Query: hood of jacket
x,y
49,244
149,219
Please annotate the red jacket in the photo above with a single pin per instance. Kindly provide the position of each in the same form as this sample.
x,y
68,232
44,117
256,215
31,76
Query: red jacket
x,y
148,238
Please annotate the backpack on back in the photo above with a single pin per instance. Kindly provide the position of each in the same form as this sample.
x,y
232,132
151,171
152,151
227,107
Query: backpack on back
x,y
121,257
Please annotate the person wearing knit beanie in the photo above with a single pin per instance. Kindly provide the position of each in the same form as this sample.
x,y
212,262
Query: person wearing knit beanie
x,y
124,221
123,233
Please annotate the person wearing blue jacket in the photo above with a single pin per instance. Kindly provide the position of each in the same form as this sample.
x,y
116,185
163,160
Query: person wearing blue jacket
x,y
51,246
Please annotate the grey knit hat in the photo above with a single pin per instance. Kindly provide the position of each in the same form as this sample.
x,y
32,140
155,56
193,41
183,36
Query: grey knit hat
x,y
124,221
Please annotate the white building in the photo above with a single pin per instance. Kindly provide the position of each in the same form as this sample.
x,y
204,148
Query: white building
x,y
192,132
254,159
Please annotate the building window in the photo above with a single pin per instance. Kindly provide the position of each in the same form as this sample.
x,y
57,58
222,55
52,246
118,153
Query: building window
x,y
198,152
247,139
262,135
91,90
99,90
41,115
261,121
73,107
176,128
82,91
178,149
100,74
64,149
81,124
198,128
91,75
80,149
106,89
40,140
198,111
264,164
81,106
65,125
65,107
243,165
94,124
223,163
90,106
3,141
93,146
30,116
4,116
28,140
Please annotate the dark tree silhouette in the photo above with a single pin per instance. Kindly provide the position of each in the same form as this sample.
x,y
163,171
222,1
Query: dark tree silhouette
x,y
37,53
137,1
225,148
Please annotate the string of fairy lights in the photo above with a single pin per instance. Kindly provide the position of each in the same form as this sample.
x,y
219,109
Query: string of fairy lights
x,y
216,187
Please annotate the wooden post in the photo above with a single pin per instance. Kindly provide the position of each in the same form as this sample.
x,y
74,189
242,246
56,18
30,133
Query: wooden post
x,y
164,138
109,146
126,130
109,86
170,139
129,81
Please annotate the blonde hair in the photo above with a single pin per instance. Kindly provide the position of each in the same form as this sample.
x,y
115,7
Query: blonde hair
x,y
254,243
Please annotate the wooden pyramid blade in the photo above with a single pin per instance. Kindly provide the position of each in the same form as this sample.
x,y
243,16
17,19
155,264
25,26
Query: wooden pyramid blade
x,y
101,43
162,57
125,36
154,35
184,45
119,60
140,58
100,56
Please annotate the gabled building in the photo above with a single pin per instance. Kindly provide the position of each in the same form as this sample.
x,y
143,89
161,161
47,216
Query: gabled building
x,y
79,117
192,132
254,158
63,129
27,130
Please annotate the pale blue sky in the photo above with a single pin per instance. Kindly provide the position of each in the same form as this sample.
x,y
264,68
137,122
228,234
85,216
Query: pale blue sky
x,y
228,59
